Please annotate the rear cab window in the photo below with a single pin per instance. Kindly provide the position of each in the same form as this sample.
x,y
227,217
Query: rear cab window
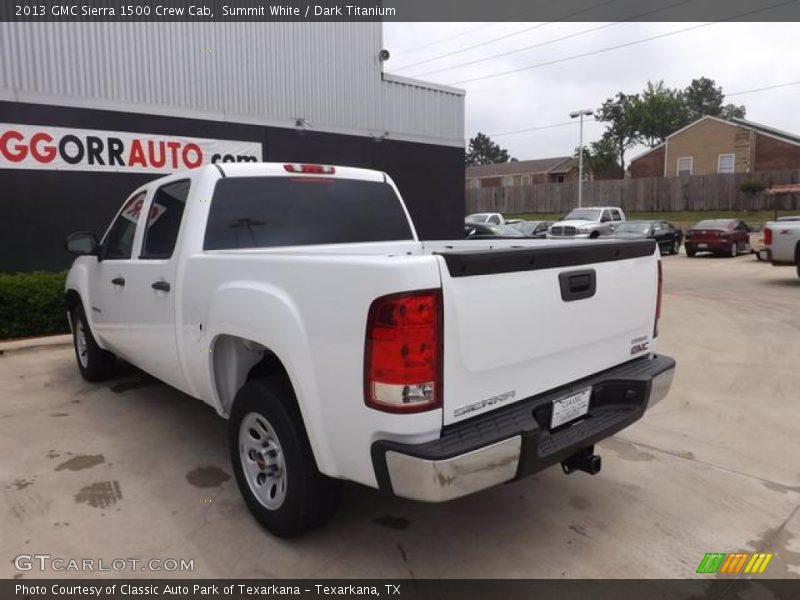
x,y
264,212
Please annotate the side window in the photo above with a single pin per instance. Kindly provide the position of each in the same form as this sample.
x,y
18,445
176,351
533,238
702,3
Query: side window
x,y
685,165
164,220
605,216
656,226
494,219
615,215
118,243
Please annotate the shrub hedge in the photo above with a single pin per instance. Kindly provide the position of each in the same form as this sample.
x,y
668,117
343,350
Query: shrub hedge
x,y
32,304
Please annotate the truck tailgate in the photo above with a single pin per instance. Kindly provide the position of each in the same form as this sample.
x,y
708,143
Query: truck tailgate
x,y
518,322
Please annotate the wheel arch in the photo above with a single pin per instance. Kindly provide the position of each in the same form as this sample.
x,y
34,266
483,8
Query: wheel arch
x,y
72,299
237,359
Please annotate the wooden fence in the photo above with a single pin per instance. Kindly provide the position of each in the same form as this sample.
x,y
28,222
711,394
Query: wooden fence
x,y
656,194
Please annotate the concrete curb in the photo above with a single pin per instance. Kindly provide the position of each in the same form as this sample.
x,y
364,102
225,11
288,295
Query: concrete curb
x,y
52,340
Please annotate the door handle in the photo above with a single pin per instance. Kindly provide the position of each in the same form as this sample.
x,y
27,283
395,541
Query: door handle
x,y
577,285
118,281
161,286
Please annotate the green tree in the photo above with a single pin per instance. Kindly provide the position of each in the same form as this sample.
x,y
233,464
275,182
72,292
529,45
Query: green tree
x,y
621,127
658,112
704,97
600,159
483,151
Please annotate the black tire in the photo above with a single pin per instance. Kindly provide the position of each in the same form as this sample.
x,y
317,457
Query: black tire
x,y
309,498
94,363
690,253
594,235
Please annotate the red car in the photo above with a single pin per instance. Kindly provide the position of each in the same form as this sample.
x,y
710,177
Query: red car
x,y
720,236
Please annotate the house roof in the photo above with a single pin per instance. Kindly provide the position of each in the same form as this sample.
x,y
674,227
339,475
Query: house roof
x,y
778,133
734,122
557,164
789,188
648,151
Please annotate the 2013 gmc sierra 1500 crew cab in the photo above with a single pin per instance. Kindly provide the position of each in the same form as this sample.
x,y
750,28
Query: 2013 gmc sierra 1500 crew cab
x,y
298,301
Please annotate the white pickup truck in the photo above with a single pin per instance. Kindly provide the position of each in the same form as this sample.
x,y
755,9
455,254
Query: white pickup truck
x,y
782,243
298,302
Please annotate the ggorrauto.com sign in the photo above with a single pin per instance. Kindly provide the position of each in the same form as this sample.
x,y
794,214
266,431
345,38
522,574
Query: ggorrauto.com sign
x,y
68,149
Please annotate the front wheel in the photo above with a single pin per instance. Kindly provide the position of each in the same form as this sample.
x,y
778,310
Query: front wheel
x,y
94,363
273,462
690,253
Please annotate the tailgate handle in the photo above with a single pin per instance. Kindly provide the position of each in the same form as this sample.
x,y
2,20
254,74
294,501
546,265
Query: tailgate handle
x,y
577,285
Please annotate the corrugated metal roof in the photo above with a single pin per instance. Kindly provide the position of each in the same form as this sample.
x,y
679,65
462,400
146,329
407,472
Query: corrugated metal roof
x,y
249,72
520,167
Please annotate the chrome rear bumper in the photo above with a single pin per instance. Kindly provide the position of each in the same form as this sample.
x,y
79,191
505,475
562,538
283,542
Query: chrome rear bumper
x,y
469,457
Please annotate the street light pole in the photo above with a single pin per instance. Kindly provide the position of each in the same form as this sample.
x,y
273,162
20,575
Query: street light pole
x,y
580,113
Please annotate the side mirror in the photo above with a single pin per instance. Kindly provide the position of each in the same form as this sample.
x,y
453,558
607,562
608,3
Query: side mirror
x,y
82,243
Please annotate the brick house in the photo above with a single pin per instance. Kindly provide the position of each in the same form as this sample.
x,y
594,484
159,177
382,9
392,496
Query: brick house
x,y
522,172
714,145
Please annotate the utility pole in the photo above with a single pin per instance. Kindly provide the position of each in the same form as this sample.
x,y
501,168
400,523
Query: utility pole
x,y
580,113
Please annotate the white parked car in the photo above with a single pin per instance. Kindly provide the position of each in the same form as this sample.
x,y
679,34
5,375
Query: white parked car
x,y
339,350
488,218
782,242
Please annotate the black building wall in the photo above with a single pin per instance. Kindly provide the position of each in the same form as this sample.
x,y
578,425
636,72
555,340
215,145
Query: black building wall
x,y
38,208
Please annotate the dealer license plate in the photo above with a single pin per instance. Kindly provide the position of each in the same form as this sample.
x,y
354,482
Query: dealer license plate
x,y
702,245
570,407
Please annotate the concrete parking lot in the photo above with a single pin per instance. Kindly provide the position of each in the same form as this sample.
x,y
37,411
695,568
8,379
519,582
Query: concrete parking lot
x,y
132,468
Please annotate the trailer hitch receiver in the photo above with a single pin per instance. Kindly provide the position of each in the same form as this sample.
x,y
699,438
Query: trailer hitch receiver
x,y
584,460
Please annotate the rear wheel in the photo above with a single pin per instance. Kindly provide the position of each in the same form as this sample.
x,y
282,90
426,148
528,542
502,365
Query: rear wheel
x,y
690,252
273,462
94,363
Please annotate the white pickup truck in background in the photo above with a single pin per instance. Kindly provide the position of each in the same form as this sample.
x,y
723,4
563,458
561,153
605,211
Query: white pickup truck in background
x,y
298,302
782,242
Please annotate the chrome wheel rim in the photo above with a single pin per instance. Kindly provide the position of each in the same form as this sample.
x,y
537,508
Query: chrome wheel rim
x,y
81,345
262,460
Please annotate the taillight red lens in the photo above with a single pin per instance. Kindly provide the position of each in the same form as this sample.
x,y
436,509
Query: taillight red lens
x,y
318,169
659,293
403,352
767,236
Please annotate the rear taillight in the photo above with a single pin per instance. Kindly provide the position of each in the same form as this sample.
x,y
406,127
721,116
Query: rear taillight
x,y
317,169
767,236
403,352
658,299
